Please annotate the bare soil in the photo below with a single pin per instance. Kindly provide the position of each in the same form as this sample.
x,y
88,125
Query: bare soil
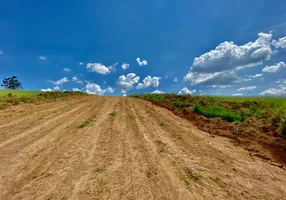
x,y
141,151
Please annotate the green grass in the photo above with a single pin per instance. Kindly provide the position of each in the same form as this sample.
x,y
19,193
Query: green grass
x,y
161,124
19,93
217,111
14,97
113,113
83,124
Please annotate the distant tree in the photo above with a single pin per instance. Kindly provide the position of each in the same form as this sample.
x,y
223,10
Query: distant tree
x,y
12,83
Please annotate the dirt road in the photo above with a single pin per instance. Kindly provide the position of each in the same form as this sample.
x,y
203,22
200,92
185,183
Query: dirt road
x,y
139,152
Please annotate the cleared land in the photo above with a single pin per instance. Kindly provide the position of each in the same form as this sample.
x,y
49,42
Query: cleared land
x,y
89,147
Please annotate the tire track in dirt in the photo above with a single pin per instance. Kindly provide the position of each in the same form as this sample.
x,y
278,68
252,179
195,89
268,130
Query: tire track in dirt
x,y
125,155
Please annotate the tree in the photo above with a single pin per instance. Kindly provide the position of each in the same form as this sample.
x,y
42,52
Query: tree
x,y
12,83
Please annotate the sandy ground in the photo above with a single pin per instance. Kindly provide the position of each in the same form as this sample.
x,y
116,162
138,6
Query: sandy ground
x,y
143,152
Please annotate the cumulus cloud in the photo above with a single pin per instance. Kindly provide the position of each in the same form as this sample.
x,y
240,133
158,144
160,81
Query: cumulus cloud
x,y
42,57
149,81
66,70
76,80
125,66
280,91
127,82
237,95
46,90
217,66
247,88
229,56
281,43
141,63
274,68
100,68
255,76
93,88
59,82
57,88
81,63
176,80
157,92
185,90
76,90
1,52
124,95
208,79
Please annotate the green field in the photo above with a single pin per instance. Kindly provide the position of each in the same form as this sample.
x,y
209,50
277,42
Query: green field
x,y
14,97
19,92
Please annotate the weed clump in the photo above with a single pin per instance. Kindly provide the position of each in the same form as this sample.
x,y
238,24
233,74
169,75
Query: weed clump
x,y
83,124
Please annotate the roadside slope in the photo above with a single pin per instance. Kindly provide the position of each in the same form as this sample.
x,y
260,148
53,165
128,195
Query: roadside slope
x,y
140,152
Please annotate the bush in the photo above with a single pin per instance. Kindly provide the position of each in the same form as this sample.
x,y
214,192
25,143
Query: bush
x,y
217,111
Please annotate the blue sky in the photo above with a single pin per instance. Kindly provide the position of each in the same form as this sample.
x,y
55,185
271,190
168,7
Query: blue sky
x,y
210,47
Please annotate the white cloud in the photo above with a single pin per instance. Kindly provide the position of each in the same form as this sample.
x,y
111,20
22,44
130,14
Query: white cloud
x,y
75,79
66,70
124,95
217,66
1,52
229,56
176,79
247,88
281,43
157,92
76,90
281,91
143,62
220,86
237,95
274,68
149,81
100,68
57,88
126,82
208,79
93,88
185,90
255,76
42,57
59,82
110,90
46,90
81,63
125,66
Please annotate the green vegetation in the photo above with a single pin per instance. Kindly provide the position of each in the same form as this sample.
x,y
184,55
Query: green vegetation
x,y
14,97
83,124
217,111
189,177
99,170
267,109
162,124
113,113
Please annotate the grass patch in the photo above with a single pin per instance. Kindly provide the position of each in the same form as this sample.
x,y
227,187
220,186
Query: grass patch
x,y
99,170
83,124
190,177
161,124
217,111
180,104
113,114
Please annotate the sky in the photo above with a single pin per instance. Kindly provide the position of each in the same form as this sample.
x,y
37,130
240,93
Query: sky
x,y
112,47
